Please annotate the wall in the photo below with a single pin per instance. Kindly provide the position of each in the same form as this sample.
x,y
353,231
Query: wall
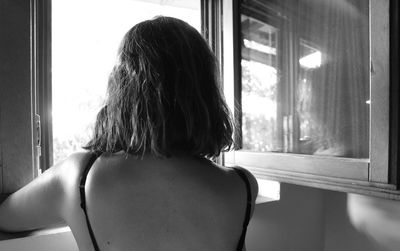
x,y
340,233
16,150
294,223
356,222
308,219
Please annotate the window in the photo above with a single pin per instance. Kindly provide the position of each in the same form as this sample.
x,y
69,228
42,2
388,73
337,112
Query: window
x,y
84,50
305,85
312,89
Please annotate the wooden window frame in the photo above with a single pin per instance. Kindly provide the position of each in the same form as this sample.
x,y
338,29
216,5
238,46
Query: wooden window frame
x,y
375,176
210,27
42,77
19,125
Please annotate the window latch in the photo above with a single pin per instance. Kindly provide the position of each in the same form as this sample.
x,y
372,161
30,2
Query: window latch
x,y
38,139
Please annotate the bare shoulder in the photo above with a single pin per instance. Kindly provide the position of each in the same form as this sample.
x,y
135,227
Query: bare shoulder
x,y
250,177
75,159
45,200
252,180
69,172
72,167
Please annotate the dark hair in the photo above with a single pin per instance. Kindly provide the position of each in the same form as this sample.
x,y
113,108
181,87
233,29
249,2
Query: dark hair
x,y
164,95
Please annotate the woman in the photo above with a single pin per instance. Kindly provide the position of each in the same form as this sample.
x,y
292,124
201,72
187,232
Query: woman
x,y
146,182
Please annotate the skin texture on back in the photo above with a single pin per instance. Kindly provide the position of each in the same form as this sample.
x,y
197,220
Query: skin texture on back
x,y
179,203
182,203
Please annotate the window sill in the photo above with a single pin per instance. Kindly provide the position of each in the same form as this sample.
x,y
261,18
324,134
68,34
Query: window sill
x,y
268,191
263,199
35,233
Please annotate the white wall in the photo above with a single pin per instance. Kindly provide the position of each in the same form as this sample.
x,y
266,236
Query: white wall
x,y
308,219
294,223
313,219
340,233
355,222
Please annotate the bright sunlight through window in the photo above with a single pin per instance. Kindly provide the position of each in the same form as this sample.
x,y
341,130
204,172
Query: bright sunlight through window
x,y
85,38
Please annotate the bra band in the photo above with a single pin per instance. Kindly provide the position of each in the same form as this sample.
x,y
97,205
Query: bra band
x,y
82,183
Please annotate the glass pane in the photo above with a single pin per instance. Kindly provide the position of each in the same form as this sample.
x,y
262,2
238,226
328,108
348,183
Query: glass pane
x,y
305,77
85,38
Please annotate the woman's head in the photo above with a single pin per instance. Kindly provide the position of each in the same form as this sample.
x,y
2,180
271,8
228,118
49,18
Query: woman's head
x,y
164,95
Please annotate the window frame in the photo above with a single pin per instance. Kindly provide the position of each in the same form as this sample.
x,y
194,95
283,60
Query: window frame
x,y
19,129
42,69
210,23
377,175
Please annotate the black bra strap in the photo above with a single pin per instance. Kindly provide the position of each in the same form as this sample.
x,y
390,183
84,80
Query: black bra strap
x,y
248,208
82,183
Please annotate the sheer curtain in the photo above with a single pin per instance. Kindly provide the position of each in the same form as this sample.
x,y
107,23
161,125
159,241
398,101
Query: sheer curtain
x,y
313,98
336,104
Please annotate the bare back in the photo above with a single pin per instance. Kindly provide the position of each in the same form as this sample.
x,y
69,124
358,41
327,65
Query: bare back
x,y
180,203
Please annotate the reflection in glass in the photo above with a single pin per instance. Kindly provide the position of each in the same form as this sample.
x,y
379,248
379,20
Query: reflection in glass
x,y
305,77
259,81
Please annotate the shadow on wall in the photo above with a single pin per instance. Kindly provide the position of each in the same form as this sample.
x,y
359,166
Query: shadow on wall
x,y
340,233
378,218
308,219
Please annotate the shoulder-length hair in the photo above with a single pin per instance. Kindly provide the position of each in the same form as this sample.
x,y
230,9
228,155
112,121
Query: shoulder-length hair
x,y
164,95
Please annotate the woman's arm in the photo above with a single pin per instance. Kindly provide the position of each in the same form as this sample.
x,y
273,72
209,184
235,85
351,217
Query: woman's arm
x,y
37,205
